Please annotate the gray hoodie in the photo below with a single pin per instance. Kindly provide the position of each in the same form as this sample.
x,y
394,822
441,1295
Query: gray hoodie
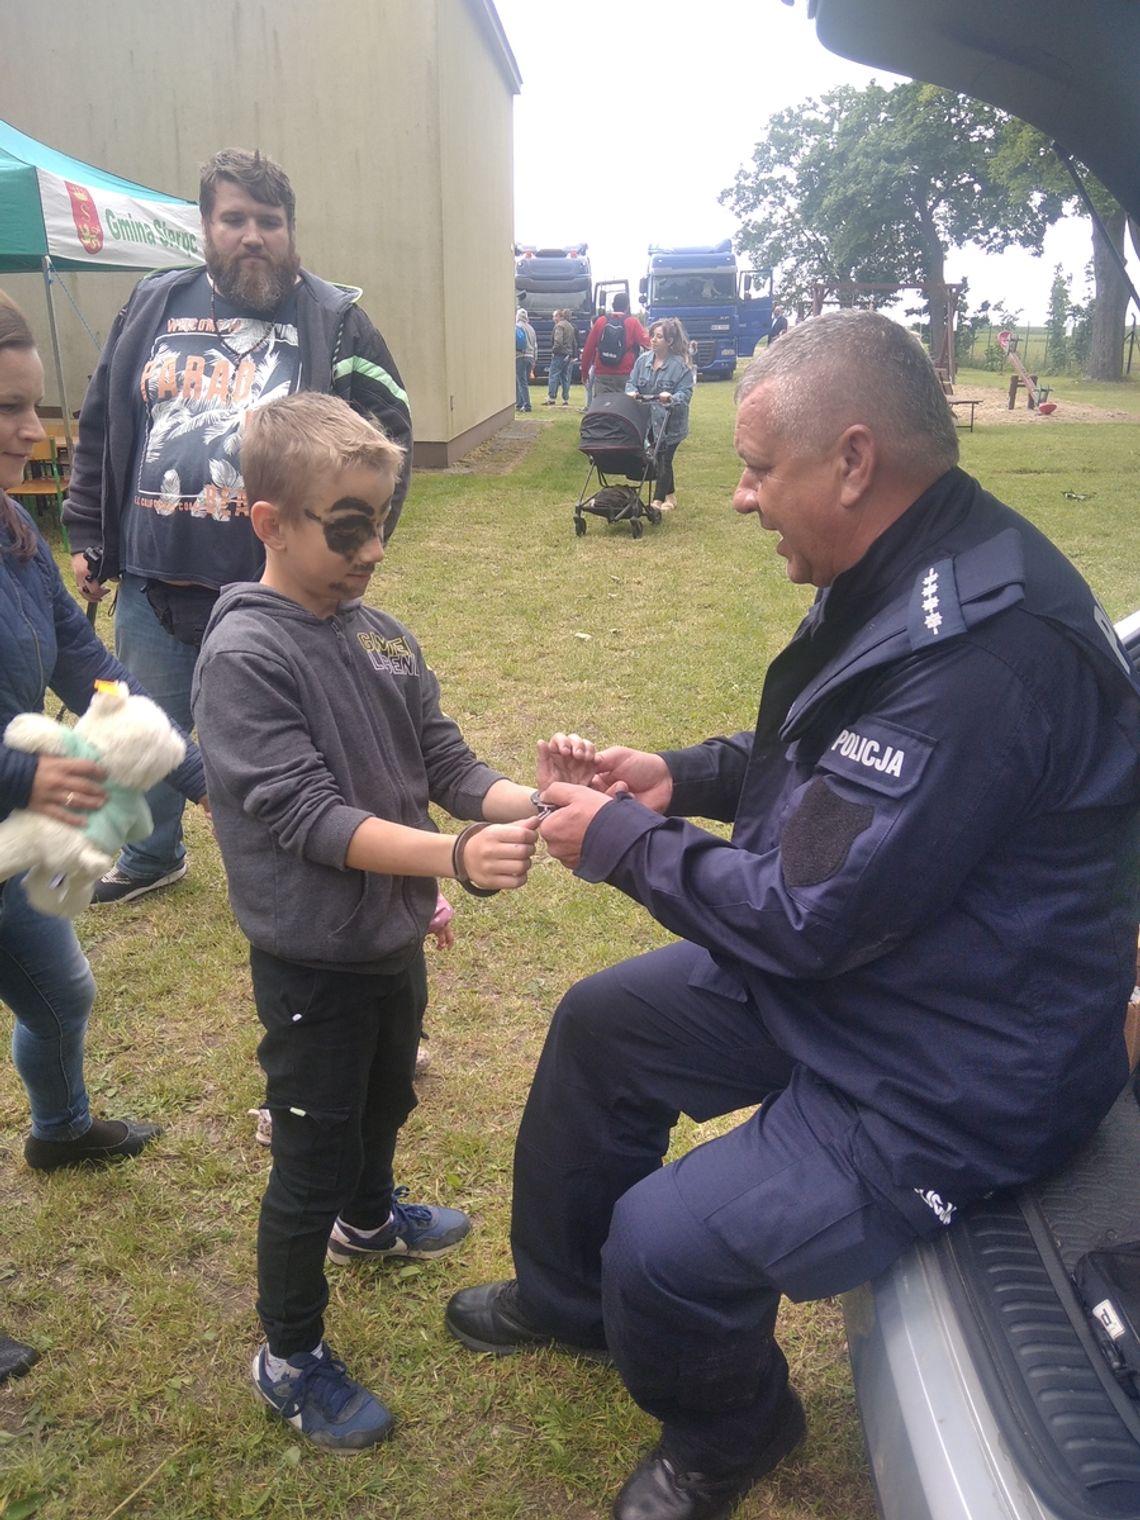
x,y
308,726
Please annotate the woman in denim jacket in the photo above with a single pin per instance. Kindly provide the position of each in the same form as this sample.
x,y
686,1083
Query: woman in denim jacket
x,y
663,376
46,641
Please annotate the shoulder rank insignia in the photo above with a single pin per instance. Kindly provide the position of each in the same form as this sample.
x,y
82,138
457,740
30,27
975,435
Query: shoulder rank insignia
x,y
934,613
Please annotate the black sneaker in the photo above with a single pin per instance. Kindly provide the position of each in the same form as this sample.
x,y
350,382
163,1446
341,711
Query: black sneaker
x,y
117,887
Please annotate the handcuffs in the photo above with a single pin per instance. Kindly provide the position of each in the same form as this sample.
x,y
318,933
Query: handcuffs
x,y
543,809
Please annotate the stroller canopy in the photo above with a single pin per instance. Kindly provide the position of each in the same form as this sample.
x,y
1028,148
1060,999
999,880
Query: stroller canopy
x,y
615,424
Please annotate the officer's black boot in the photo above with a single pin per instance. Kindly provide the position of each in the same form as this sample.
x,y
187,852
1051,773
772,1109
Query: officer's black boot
x,y
659,1490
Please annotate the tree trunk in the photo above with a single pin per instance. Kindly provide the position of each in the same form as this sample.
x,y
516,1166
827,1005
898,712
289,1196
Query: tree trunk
x,y
934,270
1106,355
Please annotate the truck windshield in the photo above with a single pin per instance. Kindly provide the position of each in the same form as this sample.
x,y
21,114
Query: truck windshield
x,y
544,303
708,289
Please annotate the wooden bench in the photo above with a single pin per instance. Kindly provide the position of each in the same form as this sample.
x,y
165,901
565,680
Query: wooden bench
x,y
46,480
964,401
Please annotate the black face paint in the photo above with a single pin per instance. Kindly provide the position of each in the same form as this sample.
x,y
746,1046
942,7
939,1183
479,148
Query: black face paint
x,y
349,524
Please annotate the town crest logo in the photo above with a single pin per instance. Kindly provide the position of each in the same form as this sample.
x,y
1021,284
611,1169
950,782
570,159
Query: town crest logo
x,y
86,218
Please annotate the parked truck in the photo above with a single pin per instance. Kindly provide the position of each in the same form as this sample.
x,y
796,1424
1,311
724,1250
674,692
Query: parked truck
x,y
726,311
552,279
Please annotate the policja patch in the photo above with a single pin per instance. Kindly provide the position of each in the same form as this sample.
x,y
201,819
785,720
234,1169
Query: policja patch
x,y
878,754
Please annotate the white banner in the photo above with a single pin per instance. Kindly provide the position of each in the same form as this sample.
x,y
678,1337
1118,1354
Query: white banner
x,y
85,221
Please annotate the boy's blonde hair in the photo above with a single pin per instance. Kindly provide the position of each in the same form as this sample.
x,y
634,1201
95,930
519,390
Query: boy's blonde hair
x,y
287,444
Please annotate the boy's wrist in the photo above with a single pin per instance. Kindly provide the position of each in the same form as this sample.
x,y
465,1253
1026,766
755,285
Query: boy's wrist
x,y
540,807
457,866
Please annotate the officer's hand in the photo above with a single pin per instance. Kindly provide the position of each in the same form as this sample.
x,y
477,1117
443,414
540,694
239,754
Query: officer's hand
x,y
646,776
565,828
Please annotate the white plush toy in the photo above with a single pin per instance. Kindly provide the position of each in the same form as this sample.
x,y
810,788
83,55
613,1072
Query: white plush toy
x,y
136,744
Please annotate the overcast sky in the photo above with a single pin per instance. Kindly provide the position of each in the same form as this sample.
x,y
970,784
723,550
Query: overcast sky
x,y
635,114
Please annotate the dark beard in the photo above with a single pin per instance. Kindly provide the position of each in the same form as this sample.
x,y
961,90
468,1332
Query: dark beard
x,y
257,288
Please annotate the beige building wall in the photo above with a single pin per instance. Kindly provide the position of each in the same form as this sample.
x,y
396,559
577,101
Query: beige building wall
x,y
392,119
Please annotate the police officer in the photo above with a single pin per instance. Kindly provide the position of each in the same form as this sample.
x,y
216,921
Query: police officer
x,y
915,952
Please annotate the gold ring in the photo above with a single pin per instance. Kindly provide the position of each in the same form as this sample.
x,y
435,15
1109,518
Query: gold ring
x,y
69,799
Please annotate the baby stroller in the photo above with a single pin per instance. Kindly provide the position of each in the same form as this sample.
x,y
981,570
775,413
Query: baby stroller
x,y
614,436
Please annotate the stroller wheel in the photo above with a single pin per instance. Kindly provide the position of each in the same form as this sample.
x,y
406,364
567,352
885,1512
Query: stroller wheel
x,y
654,515
579,526
635,527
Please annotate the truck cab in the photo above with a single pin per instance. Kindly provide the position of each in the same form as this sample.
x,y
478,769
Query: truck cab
x,y
724,311
549,280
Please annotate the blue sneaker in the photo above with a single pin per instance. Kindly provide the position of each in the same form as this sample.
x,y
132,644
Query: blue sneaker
x,y
415,1231
320,1401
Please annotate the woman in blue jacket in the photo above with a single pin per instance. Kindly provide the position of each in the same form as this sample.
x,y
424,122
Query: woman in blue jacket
x,y
663,376
45,640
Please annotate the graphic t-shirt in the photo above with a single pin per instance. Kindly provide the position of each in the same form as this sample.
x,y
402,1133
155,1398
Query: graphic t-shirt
x,y
190,518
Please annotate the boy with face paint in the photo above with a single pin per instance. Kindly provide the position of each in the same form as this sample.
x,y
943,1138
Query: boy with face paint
x,y
324,742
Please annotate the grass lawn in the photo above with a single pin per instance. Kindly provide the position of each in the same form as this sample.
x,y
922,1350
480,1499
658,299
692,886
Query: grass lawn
x,y
137,1284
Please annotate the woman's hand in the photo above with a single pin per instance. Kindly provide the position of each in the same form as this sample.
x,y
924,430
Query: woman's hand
x,y
665,397
66,789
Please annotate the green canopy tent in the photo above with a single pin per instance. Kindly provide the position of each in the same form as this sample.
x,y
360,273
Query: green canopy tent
x,y
58,213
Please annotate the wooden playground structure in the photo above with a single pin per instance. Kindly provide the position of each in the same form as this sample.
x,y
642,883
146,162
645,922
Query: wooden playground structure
x,y
942,352
1036,396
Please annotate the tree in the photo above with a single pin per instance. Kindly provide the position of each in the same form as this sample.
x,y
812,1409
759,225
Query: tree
x,y
1027,164
1106,345
1080,340
1057,322
877,184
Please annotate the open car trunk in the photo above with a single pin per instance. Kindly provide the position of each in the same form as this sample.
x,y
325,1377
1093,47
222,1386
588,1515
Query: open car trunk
x,y
983,1392
1070,69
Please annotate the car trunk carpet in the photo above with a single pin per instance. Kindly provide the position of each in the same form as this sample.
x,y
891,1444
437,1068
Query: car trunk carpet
x,y
1009,1264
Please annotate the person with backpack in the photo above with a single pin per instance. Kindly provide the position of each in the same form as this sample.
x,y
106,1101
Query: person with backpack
x,y
526,352
612,347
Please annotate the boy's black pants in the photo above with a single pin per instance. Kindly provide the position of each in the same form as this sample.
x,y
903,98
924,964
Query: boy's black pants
x,y
339,1054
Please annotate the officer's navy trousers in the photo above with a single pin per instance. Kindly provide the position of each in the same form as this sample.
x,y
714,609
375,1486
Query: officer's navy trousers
x,y
679,1269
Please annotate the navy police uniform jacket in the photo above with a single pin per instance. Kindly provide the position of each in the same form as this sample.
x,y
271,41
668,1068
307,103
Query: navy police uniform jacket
x,y
930,893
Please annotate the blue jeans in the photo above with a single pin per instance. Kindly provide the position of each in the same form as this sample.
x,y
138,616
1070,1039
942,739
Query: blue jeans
x,y
165,668
561,366
46,982
522,382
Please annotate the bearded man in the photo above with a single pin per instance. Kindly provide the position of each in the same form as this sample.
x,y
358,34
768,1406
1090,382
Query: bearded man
x,y
156,496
